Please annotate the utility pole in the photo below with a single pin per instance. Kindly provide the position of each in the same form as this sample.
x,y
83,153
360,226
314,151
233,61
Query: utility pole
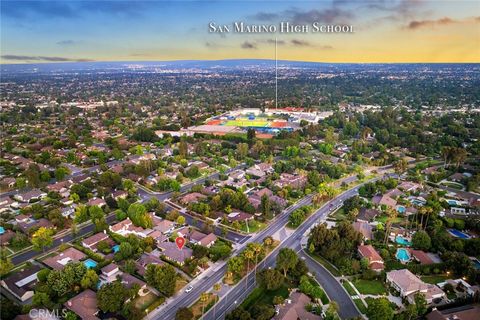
x,y
276,76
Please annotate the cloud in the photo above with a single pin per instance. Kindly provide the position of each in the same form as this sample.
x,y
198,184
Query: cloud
x,y
213,45
43,58
66,42
417,24
329,16
265,16
272,41
300,43
248,45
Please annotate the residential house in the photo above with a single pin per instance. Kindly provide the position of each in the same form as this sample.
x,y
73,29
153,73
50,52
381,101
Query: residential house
x,y
468,312
126,227
96,202
192,198
364,228
21,284
197,237
407,284
164,226
421,256
384,200
7,204
375,262
30,224
170,251
367,215
92,241
119,194
294,308
409,186
35,194
292,180
144,260
84,305
239,216
59,261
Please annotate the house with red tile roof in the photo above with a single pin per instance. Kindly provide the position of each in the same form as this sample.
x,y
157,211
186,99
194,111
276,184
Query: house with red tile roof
x,y
375,262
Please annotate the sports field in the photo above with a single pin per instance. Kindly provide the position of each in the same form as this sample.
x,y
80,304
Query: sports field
x,y
247,123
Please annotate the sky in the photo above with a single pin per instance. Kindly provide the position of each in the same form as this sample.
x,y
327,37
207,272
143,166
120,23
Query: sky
x,y
385,31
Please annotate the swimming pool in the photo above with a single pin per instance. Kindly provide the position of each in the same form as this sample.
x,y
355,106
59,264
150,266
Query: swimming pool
x,y
403,255
89,263
401,240
458,234
2,230
115,248
418,202
401,209
476,263
452,202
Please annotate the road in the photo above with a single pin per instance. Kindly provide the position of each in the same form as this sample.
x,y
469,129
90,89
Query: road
x,y
68,237
332,287
206,280
239,292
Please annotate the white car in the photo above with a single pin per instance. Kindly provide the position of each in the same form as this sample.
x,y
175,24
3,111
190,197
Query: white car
x,y
189,288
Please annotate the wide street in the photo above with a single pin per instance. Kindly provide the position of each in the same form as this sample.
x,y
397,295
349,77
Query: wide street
x,y
332,287
240,291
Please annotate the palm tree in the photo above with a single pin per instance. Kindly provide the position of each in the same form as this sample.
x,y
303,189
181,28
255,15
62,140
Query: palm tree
x,y
392,214
268,241
203,299
257,249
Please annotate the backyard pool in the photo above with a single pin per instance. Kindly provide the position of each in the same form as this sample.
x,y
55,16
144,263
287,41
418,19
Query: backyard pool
x,y
458,234
89,263
476,263
115,248
452,202
401,240
403,255
401,209
2,230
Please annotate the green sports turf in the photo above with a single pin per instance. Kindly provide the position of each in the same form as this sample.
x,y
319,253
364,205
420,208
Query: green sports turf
x,y
247,123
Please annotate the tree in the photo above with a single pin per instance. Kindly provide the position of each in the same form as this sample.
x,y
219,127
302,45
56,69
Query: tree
x,y
250,136
235,264
41,299
421,240
203,300
111,296
242,151
89,280
420,304
262,311
61,173
239,314
42,238
163,278
5,263
265,206
181,220
270,279
379,309
139,215
286,260
184,314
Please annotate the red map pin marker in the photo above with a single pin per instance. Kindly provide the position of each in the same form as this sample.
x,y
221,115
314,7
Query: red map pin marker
x,y
180,241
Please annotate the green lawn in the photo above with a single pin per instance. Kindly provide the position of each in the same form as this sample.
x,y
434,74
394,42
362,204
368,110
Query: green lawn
x,y
253,226
328,265
349,288
434,279
369,286
261,296
360,305
383,219
339,215
246,123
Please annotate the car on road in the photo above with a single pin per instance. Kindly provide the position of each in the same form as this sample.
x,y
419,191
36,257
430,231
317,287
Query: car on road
x,y
189,288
